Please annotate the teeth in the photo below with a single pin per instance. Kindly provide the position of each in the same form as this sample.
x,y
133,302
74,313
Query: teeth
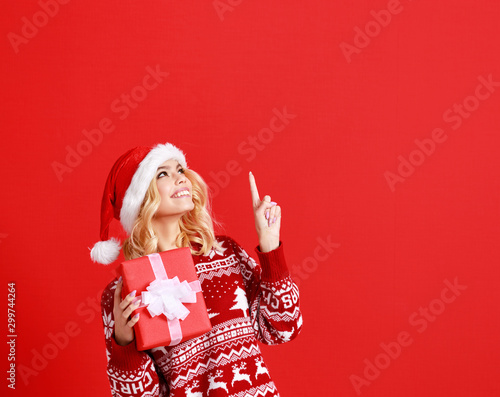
x,y
183,193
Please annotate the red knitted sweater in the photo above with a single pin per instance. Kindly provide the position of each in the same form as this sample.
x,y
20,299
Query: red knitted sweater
x,y
246,301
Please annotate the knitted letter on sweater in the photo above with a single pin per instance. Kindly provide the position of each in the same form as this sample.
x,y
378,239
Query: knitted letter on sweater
x,y
246,302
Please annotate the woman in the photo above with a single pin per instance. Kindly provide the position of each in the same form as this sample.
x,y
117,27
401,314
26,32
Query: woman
x,y
164,205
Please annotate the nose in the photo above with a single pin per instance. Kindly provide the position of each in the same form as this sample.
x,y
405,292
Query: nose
x,y
181,178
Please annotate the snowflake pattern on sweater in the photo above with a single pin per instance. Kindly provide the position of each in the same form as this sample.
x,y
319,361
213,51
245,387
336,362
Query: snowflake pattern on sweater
x,y
246,302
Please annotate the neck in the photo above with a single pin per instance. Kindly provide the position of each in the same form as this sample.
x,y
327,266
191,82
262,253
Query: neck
x,y
167,230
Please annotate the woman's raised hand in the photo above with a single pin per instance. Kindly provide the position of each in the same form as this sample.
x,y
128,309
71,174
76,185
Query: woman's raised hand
x,y
122,310
267,218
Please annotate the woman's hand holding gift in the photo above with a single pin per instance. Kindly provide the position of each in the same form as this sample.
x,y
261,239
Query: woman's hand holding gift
x,y
122,310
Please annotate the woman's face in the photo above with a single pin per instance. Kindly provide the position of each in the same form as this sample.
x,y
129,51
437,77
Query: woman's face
x,y
175,189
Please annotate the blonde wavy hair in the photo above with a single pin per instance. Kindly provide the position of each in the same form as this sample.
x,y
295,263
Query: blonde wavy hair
x,y
197,226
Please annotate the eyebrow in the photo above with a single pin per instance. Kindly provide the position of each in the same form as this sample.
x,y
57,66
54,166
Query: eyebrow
x,y
167,167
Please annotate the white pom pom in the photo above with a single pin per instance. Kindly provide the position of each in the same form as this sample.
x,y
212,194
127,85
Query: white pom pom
x,y
105,252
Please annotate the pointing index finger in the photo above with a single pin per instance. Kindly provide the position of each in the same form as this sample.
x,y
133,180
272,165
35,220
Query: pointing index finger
x,y
253,190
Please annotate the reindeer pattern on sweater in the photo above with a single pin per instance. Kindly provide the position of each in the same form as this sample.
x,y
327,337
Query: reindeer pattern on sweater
x,y
246,302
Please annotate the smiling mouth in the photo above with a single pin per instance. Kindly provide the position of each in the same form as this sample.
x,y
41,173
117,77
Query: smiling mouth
x,y
183,193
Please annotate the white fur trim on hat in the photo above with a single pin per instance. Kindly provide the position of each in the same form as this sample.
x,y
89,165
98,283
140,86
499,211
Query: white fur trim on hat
x,y
136,192
105,252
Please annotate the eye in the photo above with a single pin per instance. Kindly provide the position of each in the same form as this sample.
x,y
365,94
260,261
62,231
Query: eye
x,y
181,170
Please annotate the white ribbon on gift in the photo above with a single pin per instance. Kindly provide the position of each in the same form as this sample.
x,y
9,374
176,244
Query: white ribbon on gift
x,y
166,296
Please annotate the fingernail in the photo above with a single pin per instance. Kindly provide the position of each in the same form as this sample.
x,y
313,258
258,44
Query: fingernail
x,y
274,219
267,215
132,294
136,316
272,202
120,279
137,301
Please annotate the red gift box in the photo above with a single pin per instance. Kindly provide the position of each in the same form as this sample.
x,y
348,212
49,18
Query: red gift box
x,y
167,285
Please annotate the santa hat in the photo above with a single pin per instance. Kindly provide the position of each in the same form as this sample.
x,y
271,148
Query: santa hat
x,y
124,192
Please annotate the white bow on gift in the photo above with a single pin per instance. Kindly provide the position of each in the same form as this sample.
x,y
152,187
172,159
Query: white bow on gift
x,y
167,297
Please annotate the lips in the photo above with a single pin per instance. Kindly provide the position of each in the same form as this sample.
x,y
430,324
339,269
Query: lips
x,y
184,192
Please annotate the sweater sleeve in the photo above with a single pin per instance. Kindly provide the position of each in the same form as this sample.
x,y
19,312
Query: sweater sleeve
x,y
130,372
272,295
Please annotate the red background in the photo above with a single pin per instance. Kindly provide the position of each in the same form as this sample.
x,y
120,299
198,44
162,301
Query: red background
x,y
394,249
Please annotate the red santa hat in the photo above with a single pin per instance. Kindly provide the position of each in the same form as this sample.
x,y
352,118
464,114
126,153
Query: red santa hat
x,y
124,192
